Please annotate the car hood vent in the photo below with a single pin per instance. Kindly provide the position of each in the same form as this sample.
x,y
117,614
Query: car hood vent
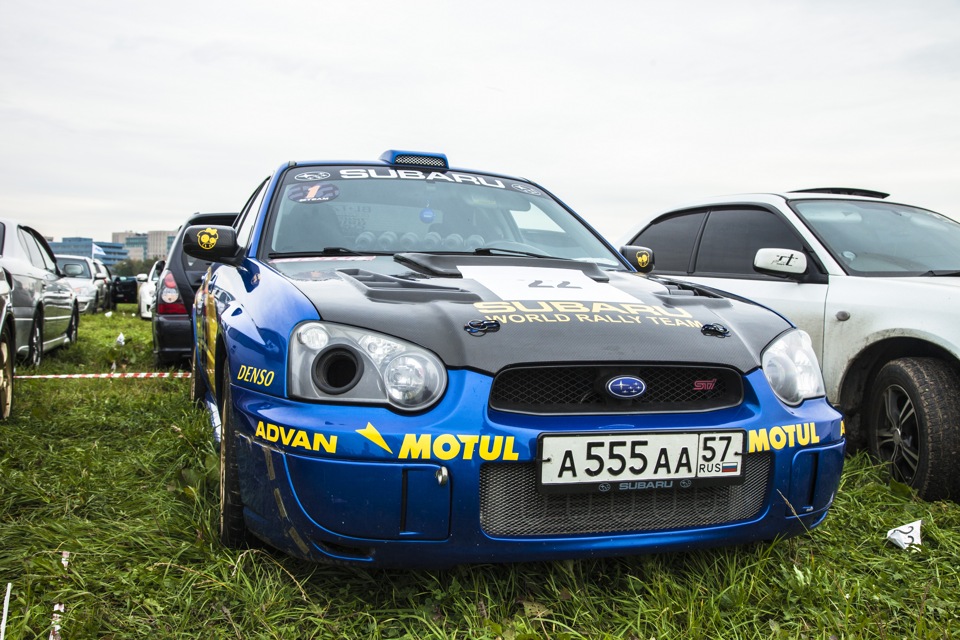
x,y
378,286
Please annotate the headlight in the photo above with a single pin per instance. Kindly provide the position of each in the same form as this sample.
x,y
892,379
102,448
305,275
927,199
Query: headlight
x,y
336,363
85,290
791,368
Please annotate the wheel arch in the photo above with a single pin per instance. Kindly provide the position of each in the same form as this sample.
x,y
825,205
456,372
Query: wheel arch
x,y
863,369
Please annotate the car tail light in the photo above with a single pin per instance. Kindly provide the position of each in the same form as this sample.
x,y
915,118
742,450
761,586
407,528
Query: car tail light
x,y
169,300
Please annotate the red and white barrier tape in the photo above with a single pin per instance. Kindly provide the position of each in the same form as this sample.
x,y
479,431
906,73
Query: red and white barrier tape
x,y
150,374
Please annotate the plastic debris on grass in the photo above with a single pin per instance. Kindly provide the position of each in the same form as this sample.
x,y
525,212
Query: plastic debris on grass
x,y
906,536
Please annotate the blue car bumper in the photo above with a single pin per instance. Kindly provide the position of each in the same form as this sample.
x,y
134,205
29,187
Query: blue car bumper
x,y
458,484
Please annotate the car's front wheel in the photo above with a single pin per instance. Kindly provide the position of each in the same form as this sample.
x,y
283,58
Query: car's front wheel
x,y
35,344
8,352
914,425
73,330
233,530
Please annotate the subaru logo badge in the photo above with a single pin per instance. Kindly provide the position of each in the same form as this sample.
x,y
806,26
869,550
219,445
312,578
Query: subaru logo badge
x,y
626,387
481,327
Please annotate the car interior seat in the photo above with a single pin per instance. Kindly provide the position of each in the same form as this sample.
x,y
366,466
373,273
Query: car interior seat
x,y
308,227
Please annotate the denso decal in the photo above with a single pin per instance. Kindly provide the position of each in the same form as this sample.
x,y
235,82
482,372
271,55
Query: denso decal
x,y
790,435
262,377
548,311
446,446
296,438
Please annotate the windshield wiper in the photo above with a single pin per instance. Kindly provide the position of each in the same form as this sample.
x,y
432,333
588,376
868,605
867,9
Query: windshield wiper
x,y
940,273
492,251
326,251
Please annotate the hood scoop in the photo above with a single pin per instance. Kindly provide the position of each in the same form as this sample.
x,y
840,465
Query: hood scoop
x,y
445,265
384,288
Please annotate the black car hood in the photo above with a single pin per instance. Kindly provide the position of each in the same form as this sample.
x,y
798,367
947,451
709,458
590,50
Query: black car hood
x,y
524,311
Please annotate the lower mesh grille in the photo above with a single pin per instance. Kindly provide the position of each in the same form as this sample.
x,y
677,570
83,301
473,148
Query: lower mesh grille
x,y
511,506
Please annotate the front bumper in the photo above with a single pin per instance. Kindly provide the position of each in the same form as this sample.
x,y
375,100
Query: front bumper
x,y
457,484
86,304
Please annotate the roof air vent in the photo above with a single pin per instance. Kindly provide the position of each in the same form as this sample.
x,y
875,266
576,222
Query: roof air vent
x,y
415,158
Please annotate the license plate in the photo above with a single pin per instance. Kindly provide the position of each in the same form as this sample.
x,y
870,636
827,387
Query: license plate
x,y
636,461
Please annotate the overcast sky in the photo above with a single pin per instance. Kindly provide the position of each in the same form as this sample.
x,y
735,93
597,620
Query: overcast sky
x,y
130,116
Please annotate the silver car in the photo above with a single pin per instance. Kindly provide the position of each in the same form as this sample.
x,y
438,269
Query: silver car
x,y
89,283
8,348
44,304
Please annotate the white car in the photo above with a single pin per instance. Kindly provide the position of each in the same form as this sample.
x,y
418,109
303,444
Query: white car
x,y
147,292
876,284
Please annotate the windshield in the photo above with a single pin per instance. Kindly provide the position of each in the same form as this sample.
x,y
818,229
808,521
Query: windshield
x,y
74,268
884,239
376,210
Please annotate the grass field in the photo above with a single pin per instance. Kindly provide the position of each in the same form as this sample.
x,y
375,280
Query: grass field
x,y
121,475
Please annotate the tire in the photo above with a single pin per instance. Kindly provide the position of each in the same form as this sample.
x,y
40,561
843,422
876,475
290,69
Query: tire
x,y
35,351
8,351
913,425
73,330
233,530
198,388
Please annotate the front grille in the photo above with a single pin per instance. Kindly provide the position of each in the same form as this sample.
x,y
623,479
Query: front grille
x,y
510,504
582,389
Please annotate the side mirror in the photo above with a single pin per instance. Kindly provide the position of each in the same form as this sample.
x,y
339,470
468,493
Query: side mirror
x,y
141,277
641,258
780,262
216,243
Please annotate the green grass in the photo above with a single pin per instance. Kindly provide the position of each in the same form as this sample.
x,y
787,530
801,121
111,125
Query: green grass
x,y
122,474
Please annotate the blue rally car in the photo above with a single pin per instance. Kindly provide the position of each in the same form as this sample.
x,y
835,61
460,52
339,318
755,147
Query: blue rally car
x,y
413,365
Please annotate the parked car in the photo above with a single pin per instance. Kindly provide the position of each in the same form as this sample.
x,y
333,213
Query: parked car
x,y
125,289
147,293
875,284
106,274
87,281
8,345
421,366
175,288
44,304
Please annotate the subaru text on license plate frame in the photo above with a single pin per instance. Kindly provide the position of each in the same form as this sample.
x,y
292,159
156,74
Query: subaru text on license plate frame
x,y
587,463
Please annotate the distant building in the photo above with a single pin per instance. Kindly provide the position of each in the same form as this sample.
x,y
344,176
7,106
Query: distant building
x,y
110,253
135,243
137,247
146,246
159,243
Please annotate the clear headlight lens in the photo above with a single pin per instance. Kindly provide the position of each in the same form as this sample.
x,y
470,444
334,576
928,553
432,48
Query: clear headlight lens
x,y
791,368
347,364
410,379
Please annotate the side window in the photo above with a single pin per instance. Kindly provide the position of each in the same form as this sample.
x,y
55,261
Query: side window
x,y
672,240
49,261
732,237
32,248
248,217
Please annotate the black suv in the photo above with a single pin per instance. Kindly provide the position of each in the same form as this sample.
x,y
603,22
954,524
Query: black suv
x,y
176,287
